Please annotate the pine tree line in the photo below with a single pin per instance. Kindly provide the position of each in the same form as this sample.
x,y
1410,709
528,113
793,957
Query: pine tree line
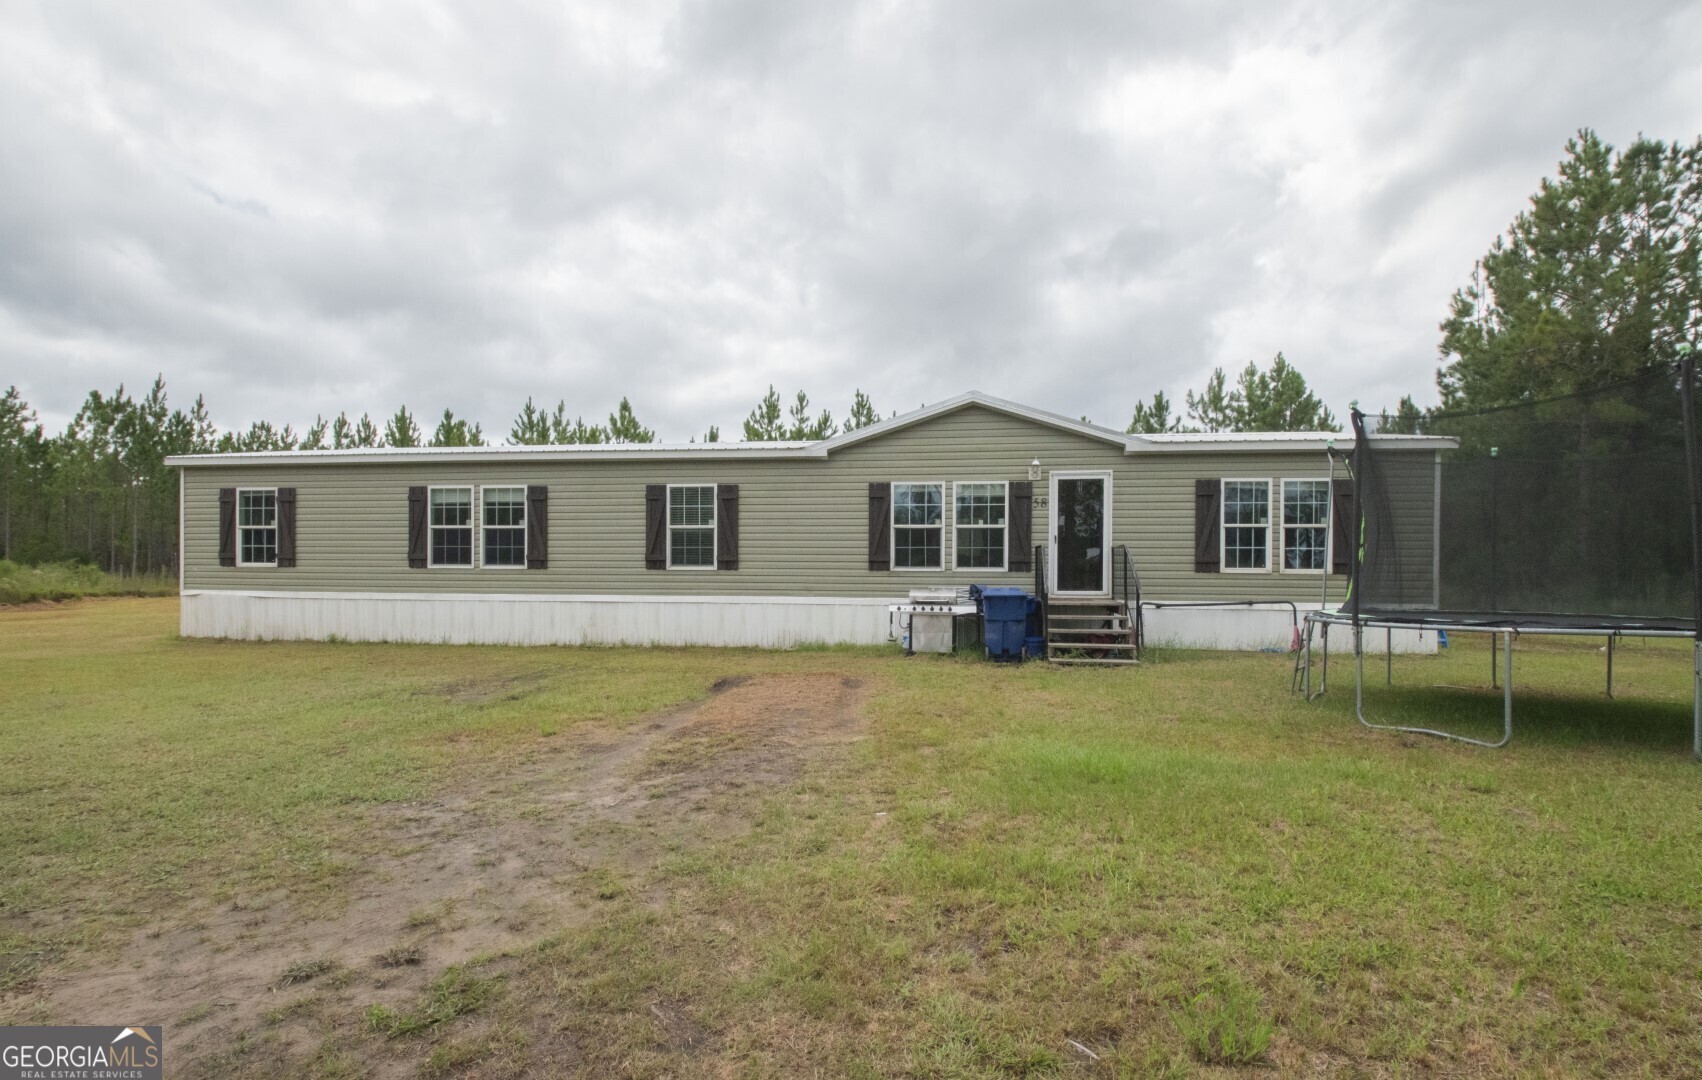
x,y
100,491
1273,399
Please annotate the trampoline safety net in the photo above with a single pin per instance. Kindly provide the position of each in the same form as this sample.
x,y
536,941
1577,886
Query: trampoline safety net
x,y
1575,505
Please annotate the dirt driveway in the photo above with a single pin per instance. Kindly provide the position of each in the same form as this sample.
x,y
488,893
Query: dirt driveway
x,y
495,865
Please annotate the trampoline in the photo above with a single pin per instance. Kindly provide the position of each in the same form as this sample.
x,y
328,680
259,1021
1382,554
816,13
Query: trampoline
x,y
1603,526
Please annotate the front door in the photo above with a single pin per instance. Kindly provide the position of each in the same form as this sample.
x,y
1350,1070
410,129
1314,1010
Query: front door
x,y
1081,532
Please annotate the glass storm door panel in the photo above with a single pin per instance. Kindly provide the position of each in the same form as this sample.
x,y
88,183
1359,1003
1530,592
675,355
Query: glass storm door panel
x,y
1080,517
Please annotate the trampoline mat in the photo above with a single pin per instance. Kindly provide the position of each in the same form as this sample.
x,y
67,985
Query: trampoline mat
x,y
1526,621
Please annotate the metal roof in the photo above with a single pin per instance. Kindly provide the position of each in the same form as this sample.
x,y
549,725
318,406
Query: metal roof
x,y
1281,440
1133,444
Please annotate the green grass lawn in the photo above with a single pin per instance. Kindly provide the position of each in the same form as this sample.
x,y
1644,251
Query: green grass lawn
x,y
1019,871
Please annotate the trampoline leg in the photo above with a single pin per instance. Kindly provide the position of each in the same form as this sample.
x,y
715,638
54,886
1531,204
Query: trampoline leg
x,y
1323,631
1492,661
1610,665
1389,656
1359,674
1306,683
1506,699
1696,721
1324,664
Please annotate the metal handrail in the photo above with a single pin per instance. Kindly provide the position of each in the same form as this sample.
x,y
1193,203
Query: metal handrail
x,y
1122,560
1040,583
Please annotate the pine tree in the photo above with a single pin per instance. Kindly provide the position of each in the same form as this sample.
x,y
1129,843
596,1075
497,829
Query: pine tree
x,y
1278,399
625,428
139,439
713,434
202,433
1407,419
314,439
366,433
805,429
1154,419
402,431
260,436
1274,400
1214,409
576,433
453,432
1597,282
588,434
862,413
16,419
764,424
532,426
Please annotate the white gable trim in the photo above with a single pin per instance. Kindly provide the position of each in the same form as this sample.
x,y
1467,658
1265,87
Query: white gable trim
x,y
964,401
1248,441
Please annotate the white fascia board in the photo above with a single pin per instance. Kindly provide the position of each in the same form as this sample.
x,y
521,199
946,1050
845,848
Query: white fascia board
x,y
552,598
1144,445
437,455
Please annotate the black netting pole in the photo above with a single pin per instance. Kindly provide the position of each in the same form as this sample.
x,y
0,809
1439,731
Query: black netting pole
x,y
1356,532
1494,533
1687,395
1494,547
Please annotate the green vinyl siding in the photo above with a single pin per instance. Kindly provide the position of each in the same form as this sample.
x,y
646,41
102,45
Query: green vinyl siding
x,y
803,522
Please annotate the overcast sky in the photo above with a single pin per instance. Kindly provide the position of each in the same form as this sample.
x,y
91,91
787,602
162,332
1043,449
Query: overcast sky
x,y
307,207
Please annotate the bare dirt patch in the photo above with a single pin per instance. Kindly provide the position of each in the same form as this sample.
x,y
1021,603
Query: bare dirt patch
x,y
511,855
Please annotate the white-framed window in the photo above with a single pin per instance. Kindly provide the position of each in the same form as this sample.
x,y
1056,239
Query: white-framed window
x,y
504,517
451,526
918,526
978,524
1305,526
256,526
1246,538
691,526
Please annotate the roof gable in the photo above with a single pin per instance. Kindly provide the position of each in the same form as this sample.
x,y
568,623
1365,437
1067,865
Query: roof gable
x,y
973,399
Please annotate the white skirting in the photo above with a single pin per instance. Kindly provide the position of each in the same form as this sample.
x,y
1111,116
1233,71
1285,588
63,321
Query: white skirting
x,y
761,621
1267,627
471,618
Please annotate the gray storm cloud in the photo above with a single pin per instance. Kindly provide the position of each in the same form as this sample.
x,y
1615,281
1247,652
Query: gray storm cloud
x,y
301,208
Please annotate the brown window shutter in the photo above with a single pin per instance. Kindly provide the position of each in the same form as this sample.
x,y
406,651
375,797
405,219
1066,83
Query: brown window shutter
x,y
727,526
1021,553
286,527
656,526
418,534
1208,501
1341,528
537,527
880,526
227,526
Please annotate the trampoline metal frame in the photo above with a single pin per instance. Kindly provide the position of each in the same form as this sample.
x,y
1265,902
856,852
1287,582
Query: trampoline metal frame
x,y
1326,619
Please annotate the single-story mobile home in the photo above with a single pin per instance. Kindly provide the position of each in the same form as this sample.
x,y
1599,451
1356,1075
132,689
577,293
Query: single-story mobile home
x,y
776,544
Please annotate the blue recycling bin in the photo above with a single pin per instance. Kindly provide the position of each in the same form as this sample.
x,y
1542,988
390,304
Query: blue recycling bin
x,y
1004,615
